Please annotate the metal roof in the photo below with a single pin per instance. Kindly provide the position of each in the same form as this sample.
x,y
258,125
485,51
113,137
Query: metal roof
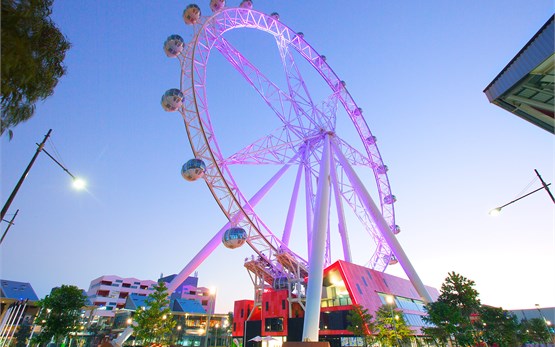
x,y
525,86
17,290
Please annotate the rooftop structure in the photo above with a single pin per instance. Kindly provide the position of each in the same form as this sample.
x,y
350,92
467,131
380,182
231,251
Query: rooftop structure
x,y
525,86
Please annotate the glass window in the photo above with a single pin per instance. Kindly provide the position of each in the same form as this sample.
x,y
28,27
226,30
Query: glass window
x,y
364,280
359,290
274,324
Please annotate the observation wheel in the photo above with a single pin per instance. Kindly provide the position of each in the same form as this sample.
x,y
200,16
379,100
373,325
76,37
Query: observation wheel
x,y
308,141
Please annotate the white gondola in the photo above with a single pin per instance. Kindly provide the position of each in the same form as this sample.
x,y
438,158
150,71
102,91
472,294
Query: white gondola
x,y
234,237
193,170
246,4
216,5
191,14
382,169
390,199
172,100
173,45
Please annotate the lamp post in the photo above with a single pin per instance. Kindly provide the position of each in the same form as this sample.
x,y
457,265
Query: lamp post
x,y
496,211
390,301
544,320
211,300
77,182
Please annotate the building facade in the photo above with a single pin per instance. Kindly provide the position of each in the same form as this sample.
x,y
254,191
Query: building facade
x,y
110,292
345,285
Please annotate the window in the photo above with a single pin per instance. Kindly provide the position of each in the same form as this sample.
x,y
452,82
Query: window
x,y
385,282
242,313
274,324
359,290
283,304
364,280
334,320
369,274
267,306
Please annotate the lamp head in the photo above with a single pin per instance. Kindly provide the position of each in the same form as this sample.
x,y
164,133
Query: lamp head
x,y
495,212
79,183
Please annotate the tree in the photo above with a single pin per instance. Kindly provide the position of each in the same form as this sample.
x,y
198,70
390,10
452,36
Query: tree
x,y
451,314
59,313
534,331
154,324
390,326
497,327
444,319
33,51
22,334
359,322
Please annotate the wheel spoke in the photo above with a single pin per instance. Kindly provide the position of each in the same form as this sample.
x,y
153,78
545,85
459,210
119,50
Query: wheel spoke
x,y
284,106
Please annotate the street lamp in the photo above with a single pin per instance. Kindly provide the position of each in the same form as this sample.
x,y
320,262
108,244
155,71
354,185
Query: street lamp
x,y
496,211
545,321
390,301
77,182
211,299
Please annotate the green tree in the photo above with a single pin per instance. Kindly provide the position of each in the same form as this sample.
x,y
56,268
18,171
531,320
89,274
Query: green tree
x,y
451,314
22,334
534,331
444,319
360,323
390,326
60,312
497,326
33,51
154,323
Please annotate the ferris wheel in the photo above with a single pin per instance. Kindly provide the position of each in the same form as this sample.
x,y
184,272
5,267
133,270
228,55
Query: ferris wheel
x,y
308,142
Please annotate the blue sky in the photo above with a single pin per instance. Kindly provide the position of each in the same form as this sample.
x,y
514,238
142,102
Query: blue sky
x,y
418,71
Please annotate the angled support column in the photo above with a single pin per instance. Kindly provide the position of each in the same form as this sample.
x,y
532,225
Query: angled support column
x,y
385,229
316,256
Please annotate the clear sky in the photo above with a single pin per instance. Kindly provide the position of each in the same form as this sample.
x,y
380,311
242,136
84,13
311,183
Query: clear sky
x,y
417,69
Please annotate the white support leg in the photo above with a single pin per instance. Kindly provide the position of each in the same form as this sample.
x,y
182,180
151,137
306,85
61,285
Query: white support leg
x,y
217,239
308,201
292,207
388,235
342,224
316,256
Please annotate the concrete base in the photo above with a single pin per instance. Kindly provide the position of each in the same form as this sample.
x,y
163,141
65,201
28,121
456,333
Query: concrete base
x,y
306,344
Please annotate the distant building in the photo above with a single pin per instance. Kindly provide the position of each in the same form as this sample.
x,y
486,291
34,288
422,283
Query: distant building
x,y
545,313
109,292
17,306
345,285
525,86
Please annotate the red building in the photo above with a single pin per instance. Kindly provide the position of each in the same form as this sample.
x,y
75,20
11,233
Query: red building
x,y
279,316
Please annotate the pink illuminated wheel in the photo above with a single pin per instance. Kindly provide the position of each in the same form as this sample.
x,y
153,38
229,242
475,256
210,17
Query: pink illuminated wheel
x,y
298,142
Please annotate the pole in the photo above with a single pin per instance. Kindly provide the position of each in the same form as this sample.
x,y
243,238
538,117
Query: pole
x,y
545,186
382,226
10,223
25,173
311,322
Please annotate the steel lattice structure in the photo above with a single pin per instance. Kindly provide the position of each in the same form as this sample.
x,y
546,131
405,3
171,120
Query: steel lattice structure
x,y
305,124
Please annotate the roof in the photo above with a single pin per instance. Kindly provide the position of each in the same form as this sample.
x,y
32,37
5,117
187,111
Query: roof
x,y
134,301
187,305
17,290
525,87
363,284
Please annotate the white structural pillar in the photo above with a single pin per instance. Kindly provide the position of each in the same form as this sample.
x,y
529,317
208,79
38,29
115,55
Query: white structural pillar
x,y
342,225
292,207
217,239
385,229
316,256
